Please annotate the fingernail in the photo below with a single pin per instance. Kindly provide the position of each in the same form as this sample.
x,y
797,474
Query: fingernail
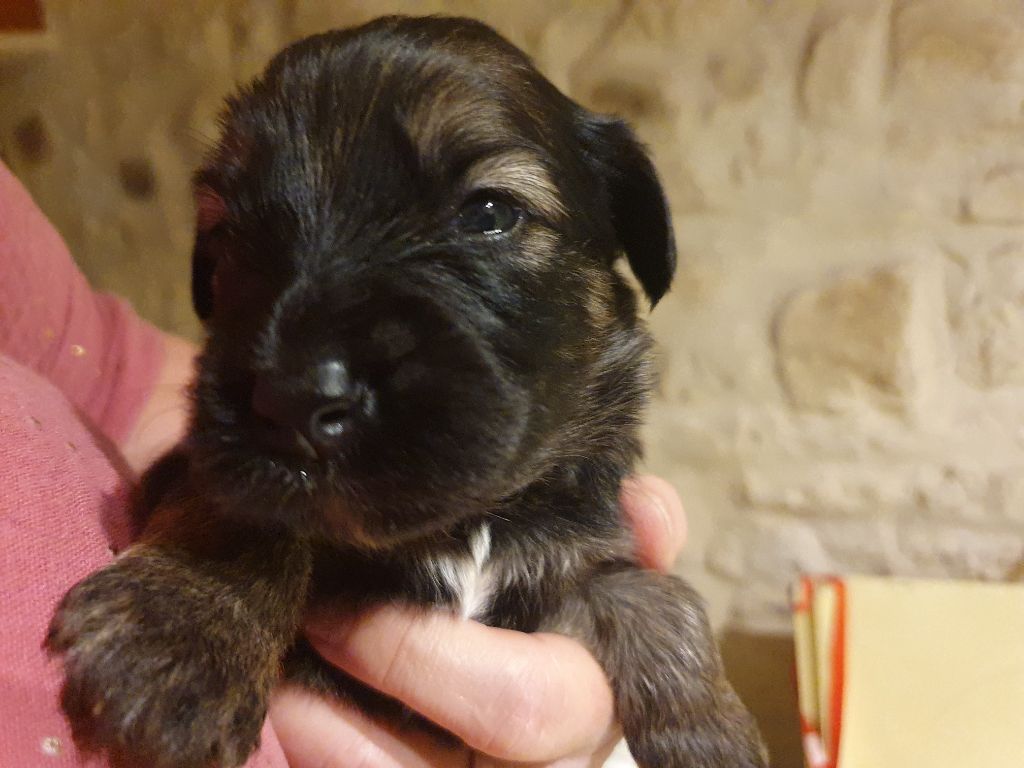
x,y
657,503
667,523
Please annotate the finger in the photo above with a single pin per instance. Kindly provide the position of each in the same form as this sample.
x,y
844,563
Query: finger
x,y
595,759
656,514
507,694
163,419
316,732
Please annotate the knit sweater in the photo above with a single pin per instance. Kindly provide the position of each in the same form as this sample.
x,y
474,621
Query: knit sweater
x,y
76,368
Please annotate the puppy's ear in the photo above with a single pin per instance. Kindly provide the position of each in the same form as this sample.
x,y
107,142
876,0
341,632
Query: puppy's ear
x,y
203,267
639,210
210,213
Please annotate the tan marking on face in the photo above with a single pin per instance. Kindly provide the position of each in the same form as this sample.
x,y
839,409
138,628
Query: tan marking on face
x,y
450,117
520,173
598,301
538,248
455,115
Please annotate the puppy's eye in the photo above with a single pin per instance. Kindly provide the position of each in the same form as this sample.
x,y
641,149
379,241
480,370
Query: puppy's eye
x,y
487,214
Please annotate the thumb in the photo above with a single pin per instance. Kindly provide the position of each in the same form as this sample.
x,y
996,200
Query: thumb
x,y
656,515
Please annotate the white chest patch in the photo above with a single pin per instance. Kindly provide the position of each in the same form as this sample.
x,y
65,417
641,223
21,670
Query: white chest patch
x,y
469,577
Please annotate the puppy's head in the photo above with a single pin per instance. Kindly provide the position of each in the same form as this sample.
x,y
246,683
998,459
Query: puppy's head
x,y
404,261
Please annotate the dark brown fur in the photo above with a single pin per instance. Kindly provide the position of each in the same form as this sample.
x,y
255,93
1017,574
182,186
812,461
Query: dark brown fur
x,y
500,376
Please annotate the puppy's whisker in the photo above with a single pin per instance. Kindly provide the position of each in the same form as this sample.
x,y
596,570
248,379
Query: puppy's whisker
x,y
492,513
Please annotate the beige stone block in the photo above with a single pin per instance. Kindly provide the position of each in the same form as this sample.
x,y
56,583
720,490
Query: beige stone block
x,y
958,67
768,549
843,73
726,554
762,609
1005,351
681,436
737,71
875,339
998,197
778,439
860,545
980,37
949,551
986,314
840,489
1009,492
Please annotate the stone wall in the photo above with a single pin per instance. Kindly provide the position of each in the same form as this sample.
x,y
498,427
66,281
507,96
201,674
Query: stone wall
x,y
843,355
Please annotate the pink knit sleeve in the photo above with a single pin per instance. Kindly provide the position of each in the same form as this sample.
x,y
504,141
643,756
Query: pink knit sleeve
x,y
92,346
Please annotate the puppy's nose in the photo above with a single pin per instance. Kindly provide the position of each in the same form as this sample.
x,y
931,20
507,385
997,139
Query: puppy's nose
x,y
320,408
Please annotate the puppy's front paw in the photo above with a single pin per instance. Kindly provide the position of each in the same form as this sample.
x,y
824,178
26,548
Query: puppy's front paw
x,y
718,737
159,670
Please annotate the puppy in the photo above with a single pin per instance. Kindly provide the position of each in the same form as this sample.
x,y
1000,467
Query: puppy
x,y
422,382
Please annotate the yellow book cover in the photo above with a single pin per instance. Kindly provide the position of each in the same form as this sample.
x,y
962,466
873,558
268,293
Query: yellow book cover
x,y
910,673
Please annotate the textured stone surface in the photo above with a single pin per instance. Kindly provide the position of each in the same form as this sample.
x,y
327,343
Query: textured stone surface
x,y
843,385
873,339
986,312
998,197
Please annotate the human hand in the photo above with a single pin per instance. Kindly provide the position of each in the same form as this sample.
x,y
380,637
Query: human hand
x,y
515,699
162,422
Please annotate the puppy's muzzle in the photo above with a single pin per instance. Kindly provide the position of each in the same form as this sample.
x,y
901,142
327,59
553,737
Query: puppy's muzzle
x,y
312,414
363,373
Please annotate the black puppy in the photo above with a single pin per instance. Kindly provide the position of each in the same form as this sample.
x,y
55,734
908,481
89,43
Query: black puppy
x,y
422,383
